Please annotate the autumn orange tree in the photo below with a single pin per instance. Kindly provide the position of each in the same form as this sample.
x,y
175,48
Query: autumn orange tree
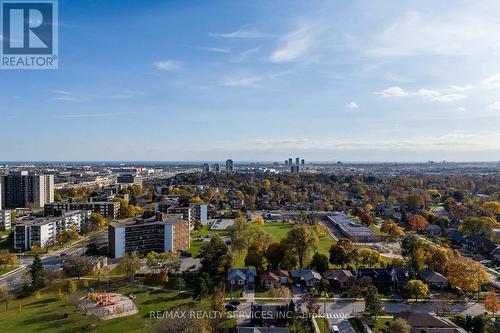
x,y
466,274
417,223
492,302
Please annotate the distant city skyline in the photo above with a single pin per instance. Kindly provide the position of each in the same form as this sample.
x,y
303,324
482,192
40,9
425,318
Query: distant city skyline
x,y
358,81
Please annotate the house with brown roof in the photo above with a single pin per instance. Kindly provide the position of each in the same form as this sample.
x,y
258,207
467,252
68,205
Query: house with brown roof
x,y
426,322
340,279
273,278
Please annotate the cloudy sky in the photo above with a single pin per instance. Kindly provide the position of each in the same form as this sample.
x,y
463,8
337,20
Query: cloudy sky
x,y
262,80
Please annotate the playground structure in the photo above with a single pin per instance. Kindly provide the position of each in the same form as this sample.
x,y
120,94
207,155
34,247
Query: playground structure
x,y
106,305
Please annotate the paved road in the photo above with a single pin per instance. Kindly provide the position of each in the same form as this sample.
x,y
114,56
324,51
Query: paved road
x,y
54,260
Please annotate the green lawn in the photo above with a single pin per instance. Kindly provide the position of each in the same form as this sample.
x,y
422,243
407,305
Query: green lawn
x,y
278,231
323,324
8,268
46,313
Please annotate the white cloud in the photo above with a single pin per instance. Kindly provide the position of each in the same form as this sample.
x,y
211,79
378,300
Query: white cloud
x,y
251,82
494,106
461,109
393,92
244,54
212,49
293,46
239,34
352,105
432,95
167,65
453,141
453,33
492,82
449,98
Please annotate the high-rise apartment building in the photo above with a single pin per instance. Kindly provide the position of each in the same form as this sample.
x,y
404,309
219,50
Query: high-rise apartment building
x,y
216,167
297,161
206,167
21,189
229,165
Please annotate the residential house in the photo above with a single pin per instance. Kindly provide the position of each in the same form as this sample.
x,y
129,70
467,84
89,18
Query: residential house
x,y
269,280
475,244
434,280
401,276
239,277
456,238
308,277
426,322
496,253
382,278
433,229
339,279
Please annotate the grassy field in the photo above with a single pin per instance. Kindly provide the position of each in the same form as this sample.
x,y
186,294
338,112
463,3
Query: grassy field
x,y
8,268
46,313
278,231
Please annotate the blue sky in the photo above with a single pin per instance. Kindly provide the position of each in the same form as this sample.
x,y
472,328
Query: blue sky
x,y
262,80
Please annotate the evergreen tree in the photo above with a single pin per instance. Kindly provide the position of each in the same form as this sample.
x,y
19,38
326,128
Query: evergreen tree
x,y
373,304
37,273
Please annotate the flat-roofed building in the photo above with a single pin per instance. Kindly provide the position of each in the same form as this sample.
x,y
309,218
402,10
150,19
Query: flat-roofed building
x,y
108,209
22,189
5,220
131,179
161,233
352,229
44,231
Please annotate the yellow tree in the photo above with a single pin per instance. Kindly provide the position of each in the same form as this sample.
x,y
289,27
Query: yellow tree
x,y
466,274
259,220
417,288
492,302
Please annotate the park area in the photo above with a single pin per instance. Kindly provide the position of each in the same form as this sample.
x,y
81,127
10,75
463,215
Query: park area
x,y
53,310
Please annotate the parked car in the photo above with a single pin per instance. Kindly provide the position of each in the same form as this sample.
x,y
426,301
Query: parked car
x,y
335,329
230,307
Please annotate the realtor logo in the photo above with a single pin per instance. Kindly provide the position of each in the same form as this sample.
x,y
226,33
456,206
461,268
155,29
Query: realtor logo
x,y
29,34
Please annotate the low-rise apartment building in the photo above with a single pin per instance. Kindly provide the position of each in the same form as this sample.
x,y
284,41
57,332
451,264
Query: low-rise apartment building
x,y
5,220
161,233
108,209
44,231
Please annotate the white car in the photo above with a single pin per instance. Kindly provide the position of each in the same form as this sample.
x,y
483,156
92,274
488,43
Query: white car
x,y
335,329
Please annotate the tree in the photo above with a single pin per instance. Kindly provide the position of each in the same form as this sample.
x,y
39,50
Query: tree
x,y
37,273
373,304
437,258
130,264
7,258
392,229
482,226
492,302
77,266
5,296
369,257
71,286
256,255
200,288
50,276
342,252
281,292
417,288
274,254
466,274
198,225
179,284
492,206
415,201
399,326
97,221
218,302
258,220
412,250
213,255
319,262
302,240
417,223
